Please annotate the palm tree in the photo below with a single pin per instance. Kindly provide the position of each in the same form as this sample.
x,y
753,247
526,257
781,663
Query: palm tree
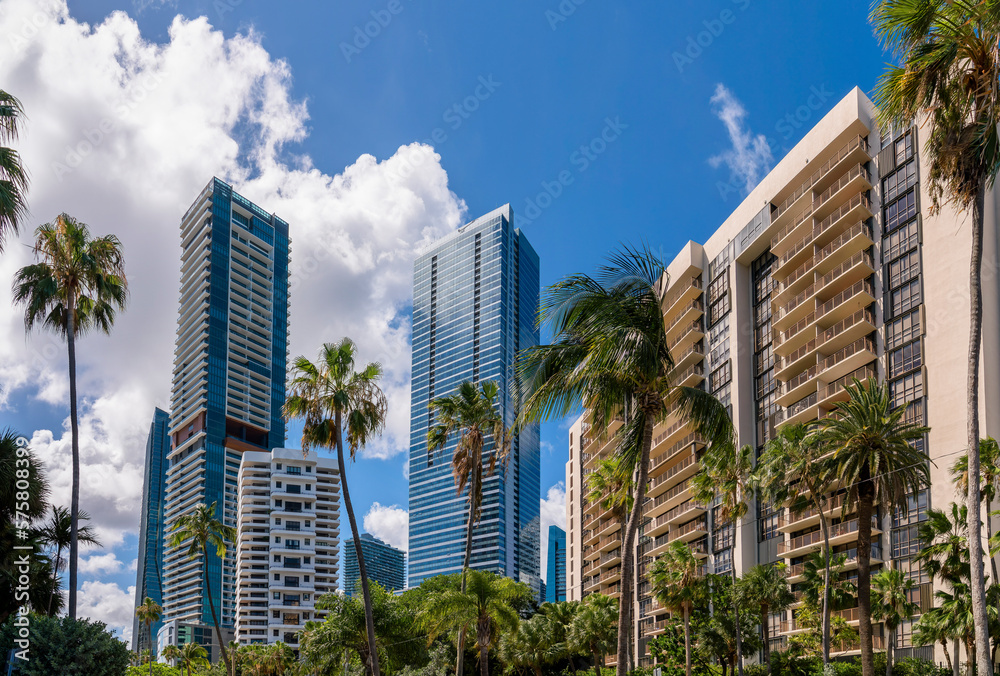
x,y
198,529
726,471
192,656
610,354
472,414
56,532
593,630
677,578
892,606
874,457
149,613
487,607
76,285
765,587
529,646
333,398
561,615
931,628
950,75
989,456
793,452
13,178
171,652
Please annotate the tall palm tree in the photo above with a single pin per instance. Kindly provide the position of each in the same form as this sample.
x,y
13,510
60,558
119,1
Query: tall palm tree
x,y
726,472
13,177
171,652
561,615
875,459
765,587
487,607
593,630
989,456
529,646
892,606
199,529
77,284
677,578
610,353
149,613
334,399
471,412
794,452
949,74
56,532
192,656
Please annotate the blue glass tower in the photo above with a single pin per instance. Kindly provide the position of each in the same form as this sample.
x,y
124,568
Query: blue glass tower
x,y
555,574
149,576
475,302
228,382
383,562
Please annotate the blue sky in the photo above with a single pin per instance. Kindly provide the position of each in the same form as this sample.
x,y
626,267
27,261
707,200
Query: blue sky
x,y
595,119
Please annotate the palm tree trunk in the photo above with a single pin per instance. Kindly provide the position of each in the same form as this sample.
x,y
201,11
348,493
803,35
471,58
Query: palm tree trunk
x,y
74,503
372,667
211,606
825,526
865,509
624,613
767,637
978,584
736,611
55,588
460,659
687,640
888,652
947,655
958,659
149,630
598,662
484,660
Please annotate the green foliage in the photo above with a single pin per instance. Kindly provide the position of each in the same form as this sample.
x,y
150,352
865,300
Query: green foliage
x,y
913,666
667,649
68,648
788,664
159,669
755,670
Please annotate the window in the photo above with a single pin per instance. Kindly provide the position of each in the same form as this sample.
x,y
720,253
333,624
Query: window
x,y
897,183
900,241
718,297
904,634
915,511
724,562
904,269
901,211
913,570
905,298
902,330
906,358
904,148
905,542
907,388
721,376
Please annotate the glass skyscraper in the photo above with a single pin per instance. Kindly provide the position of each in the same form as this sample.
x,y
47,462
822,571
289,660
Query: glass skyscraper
x,y
475,303
149,575
228,382
555,578
383,562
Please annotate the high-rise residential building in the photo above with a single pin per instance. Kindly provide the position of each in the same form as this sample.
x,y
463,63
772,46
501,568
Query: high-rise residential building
x,y
833,268
383,563
287,542
148,576
228,382
475,301
555,574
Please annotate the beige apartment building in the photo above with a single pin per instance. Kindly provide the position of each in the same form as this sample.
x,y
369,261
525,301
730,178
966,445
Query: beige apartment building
x,y
832,268
287,542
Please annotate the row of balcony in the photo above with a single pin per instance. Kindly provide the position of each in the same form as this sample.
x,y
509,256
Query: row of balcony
x,y
859,143
799,545
860,323
860,264
857,208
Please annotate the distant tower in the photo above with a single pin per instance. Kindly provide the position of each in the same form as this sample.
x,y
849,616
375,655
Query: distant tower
x,y
383,562
475,303
556,573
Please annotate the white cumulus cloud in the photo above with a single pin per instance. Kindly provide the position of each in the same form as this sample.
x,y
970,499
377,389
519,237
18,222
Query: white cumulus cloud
x,y
109,603
553,513
101,564
750,157
391,524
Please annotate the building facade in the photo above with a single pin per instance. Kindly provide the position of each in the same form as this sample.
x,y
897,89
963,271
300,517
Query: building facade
x,y
149,576
833,268
228,381
475,300
383,563
555,578
287,542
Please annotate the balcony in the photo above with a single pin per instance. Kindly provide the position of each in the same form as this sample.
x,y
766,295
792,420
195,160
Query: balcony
x,y
688,314
848,359
793,521
834,392
839,534
692,530
684,290
852,181
690,333
690,377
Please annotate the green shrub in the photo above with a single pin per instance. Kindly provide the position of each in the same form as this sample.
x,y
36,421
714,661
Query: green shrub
x,y
754,670
159,669
914,666
59,645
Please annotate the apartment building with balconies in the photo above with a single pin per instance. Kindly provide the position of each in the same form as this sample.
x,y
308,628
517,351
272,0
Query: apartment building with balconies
x,y
833,268
287,543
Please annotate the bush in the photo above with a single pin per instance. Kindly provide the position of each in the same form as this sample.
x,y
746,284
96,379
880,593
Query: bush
x,y
755,670
67,647
914,666
159,669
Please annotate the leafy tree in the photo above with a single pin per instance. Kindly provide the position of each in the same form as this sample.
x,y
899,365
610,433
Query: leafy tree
x,y
593,630
193,656
155,668
677,579
77,284
948,74
472,414
487,607
149,613
198,529
13,177
56,534
794,452
842,592
764,587
717,633
171,652
892,606
610,353
529,646
561,615
333,398
875,459
272,659
68,647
